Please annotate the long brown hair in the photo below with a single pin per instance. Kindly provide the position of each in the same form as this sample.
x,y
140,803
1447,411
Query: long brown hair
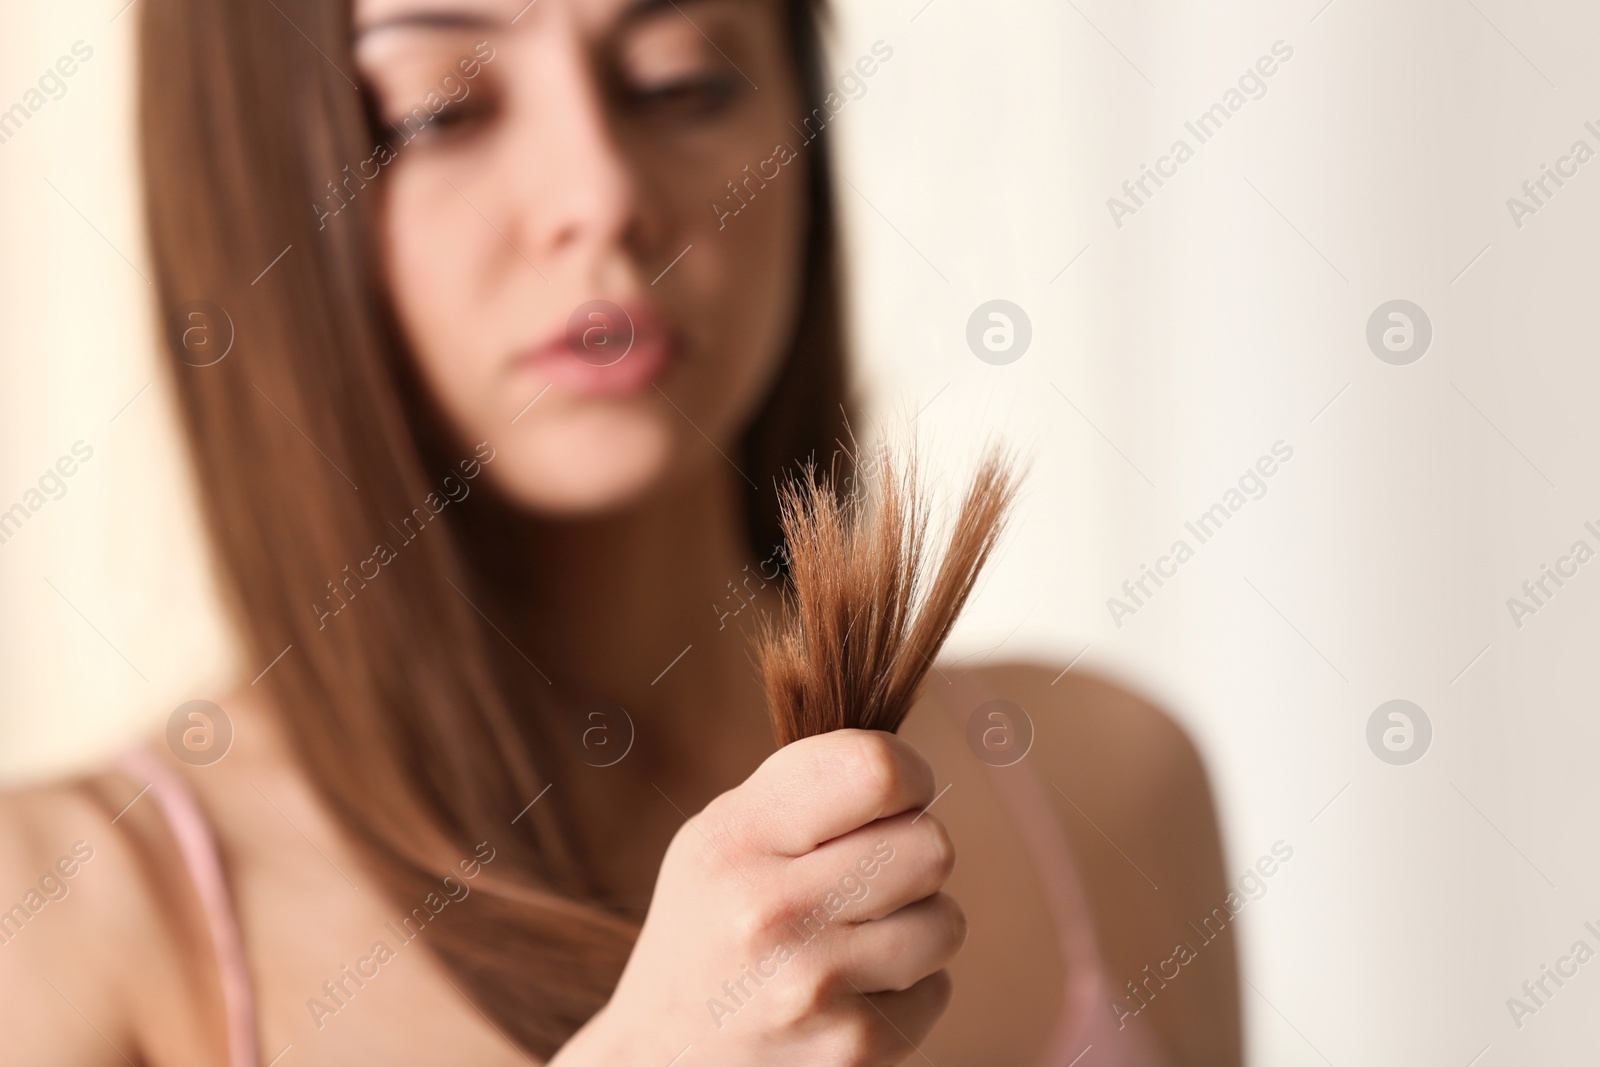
x,y
424,736
872,602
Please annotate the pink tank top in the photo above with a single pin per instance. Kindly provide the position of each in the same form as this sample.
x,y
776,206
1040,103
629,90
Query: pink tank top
x,y
1085,1024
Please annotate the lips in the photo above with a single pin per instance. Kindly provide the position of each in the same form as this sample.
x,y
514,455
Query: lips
x,y
607,349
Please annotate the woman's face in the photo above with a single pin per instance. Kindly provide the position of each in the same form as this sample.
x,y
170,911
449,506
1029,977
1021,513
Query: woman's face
x,y
559,234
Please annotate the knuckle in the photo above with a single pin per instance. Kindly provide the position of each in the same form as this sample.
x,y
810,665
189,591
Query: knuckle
x,y
755,920
797,1002
856,1040
952,922
877,764
937,848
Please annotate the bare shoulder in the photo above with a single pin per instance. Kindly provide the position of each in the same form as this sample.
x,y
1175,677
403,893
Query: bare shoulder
x,y
86,885
59,847
1102,738
1131,792
65,898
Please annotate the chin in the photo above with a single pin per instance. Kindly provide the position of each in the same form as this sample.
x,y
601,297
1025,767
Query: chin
x,y
587,466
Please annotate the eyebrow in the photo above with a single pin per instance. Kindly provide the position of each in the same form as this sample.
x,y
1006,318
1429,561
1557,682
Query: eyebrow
x,y
430,20
439,19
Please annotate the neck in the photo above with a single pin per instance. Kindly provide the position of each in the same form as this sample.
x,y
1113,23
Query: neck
x,y
652,607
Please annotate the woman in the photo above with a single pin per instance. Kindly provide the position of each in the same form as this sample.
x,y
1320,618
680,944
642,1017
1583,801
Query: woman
x,y
493,323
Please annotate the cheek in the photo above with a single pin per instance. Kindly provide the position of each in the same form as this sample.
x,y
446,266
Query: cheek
x,y
749,289
427,256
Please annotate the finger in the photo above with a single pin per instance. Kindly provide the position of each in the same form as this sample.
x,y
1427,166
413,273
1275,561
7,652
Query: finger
x,y
901,1021
896,952
820,787
872,871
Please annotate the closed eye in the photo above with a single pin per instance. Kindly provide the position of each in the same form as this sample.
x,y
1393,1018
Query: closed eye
x,y
453,121
690,98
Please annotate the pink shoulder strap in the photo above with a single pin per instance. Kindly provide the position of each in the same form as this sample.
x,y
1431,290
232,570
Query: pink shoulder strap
x,y
198,847
1086,1020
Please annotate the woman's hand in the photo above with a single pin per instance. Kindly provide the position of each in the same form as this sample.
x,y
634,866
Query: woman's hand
x,y
796,920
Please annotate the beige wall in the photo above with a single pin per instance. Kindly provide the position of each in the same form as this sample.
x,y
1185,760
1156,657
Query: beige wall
x,y
1221,317
107,624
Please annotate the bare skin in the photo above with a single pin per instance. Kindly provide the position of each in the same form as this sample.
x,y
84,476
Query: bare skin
x,y
1124,764
594,136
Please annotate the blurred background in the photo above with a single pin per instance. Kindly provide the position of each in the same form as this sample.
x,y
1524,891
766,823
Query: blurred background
x,y
1342,270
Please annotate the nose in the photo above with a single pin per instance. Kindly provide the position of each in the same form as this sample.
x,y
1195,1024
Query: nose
x,y
580,191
